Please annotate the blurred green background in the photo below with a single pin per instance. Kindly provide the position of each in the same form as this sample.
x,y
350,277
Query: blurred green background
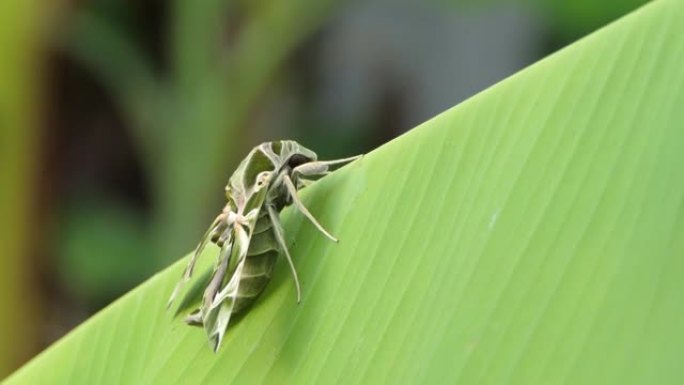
x,y
121,121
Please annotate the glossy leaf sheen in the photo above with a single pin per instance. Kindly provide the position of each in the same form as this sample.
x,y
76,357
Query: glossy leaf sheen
x,y
533,234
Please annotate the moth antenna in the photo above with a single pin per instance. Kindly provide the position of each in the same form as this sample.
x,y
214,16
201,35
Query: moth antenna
x,y
340,161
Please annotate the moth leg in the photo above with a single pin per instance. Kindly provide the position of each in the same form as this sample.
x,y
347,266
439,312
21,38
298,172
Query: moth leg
x,y
293,193
194,319
219,273
278,230
187,273
216,228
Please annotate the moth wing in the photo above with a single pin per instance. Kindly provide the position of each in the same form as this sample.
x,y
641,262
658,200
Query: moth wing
x,y
218,315
218,311
218,273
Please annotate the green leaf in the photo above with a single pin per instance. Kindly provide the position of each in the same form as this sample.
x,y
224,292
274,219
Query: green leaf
x,y
533,234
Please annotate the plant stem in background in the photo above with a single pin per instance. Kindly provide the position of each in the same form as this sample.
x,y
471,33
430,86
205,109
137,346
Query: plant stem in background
x,y
20,23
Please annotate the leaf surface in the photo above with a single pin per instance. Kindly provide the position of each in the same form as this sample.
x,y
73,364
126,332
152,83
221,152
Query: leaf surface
x,y
533,234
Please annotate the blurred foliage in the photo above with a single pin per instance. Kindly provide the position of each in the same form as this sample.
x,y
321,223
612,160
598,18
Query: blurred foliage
x,y
572,19
187,118
102,244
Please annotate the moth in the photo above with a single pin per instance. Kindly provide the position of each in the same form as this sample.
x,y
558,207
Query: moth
x,y
249,233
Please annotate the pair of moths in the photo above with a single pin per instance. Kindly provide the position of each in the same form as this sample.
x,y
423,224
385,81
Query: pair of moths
x,y
248,231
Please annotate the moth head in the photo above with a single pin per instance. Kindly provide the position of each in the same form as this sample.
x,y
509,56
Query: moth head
x,y
304,156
